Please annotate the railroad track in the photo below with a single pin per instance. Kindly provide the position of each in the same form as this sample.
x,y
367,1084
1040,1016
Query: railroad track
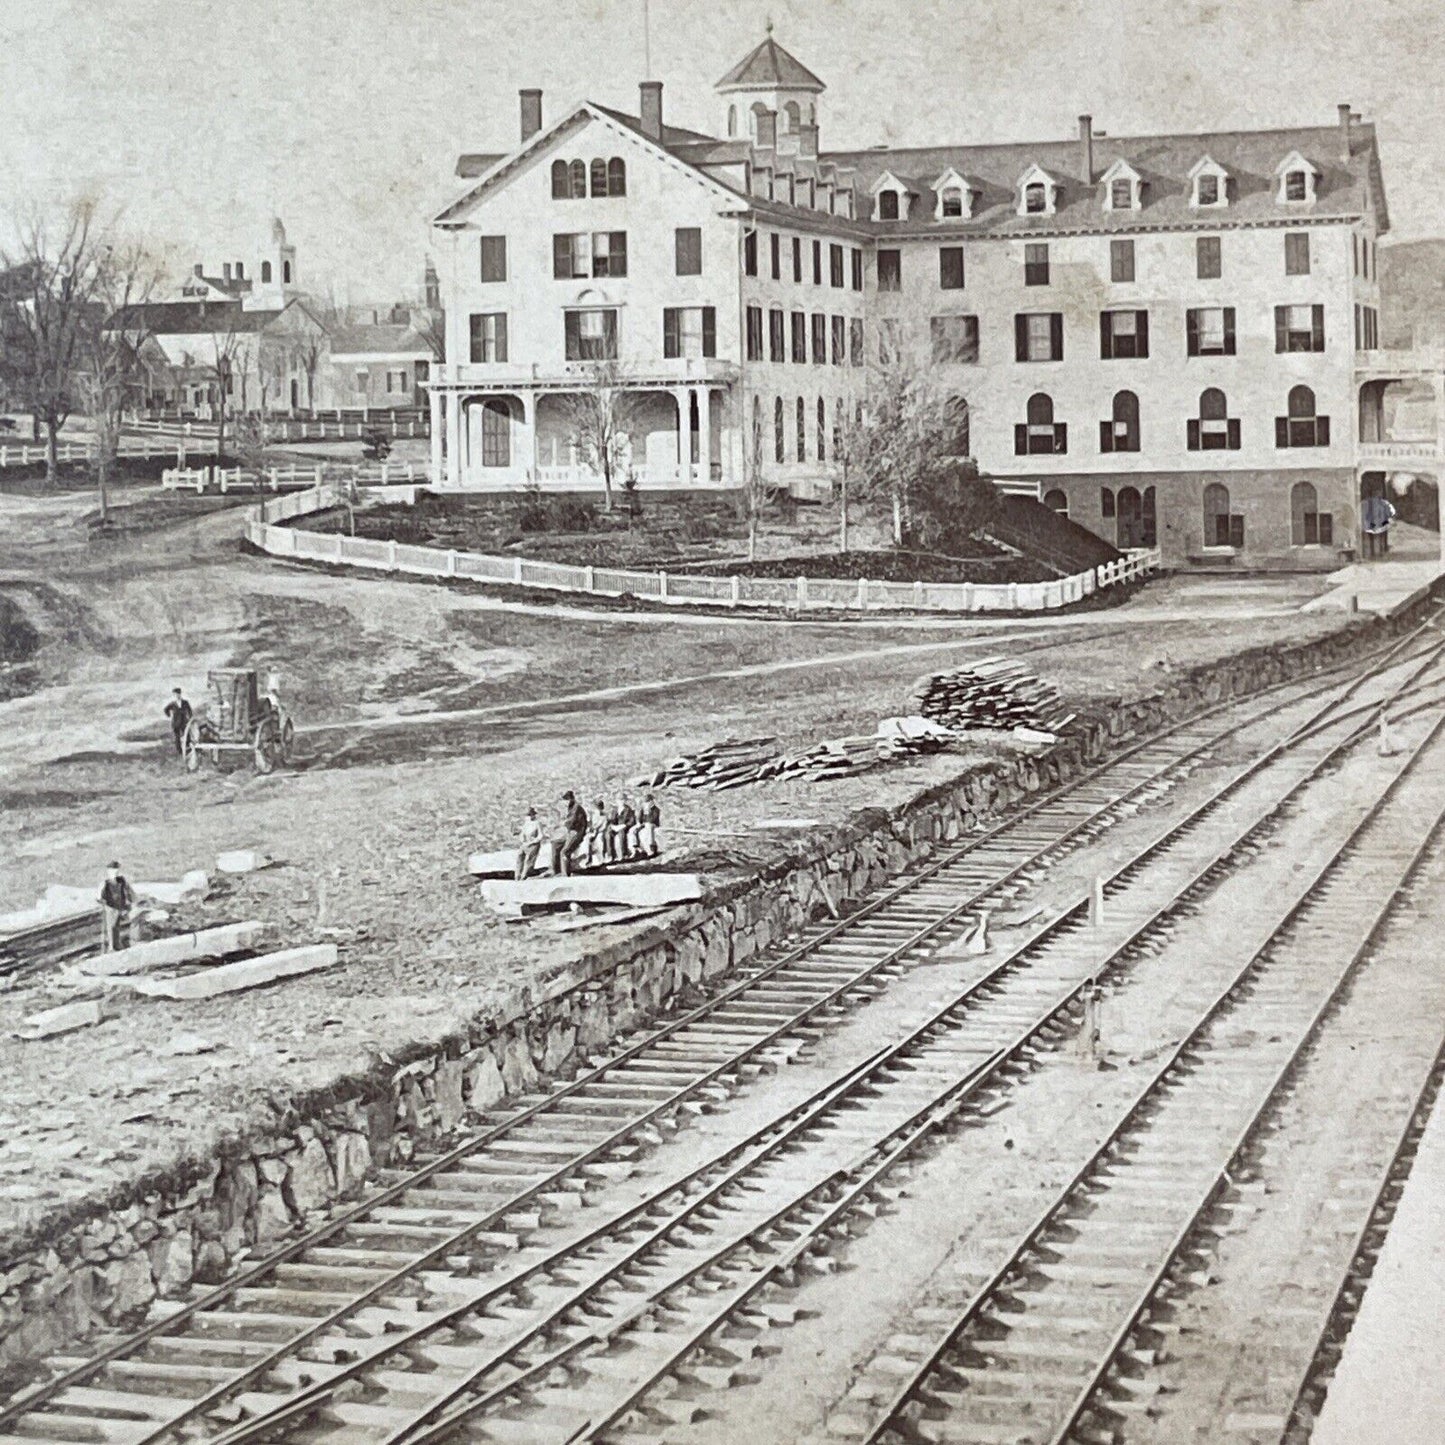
x,y
1047,1348
264,1336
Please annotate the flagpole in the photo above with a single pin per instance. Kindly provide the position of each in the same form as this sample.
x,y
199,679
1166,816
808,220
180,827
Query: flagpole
x,y
646,44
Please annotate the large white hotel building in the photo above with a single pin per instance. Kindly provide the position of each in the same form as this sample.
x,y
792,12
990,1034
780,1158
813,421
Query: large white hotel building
x,y
1159,333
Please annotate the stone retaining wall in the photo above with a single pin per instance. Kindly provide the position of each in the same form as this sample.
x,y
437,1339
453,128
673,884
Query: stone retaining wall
x,y
105,1263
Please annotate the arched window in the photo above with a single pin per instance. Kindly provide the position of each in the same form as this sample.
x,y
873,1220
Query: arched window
x,y
956,425
265,273
1296,186
616,177
1129,519
1213,430
1300,427
577,176
1036,198
599,178
822,430
802,419
1222,528
755,442
1121,432
755,115
286,273
1308,526
496,433
791,117
1040,435
1057,500
732,120
561,188
887,205
838,429
780,441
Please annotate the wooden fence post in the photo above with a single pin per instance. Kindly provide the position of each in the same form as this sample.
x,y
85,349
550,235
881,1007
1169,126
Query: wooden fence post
x,y
451,562
737,590
802,593
517,570
662,586
588,583
1013,596
391,555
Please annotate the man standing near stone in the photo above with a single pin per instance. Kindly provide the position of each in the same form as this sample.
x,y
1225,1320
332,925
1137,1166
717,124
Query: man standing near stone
x,y
571,834
178,710
529,844
116,899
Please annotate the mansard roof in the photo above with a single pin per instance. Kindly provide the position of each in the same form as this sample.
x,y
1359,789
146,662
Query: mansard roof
x,y
1252,159
770,67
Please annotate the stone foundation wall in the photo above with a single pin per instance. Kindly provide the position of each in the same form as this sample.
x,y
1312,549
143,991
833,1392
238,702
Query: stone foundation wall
x,y
103,1265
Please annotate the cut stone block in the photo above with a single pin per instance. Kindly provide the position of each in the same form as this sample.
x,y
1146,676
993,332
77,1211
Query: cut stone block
x,y
62,1020
234,977
180,948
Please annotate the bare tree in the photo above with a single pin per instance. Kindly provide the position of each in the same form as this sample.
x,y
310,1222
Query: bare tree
x,y
110,363
49,303
755,487
225,362
600,418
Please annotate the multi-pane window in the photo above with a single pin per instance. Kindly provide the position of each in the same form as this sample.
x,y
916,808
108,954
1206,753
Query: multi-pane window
x,y
494,258
950,203
1121,432
750,253
489,336
1296,186
801,426
1301,426
857,259
780,444
496,433
1209,331
888,205
838,329
755,333
1121,195
800,336
689,331
595,253
1213,430
954,338
775,253
1036,263
797,258
1299,328
1309,527
1206,190
1208,258
776,349
835,266
1036,199
688,249
855,341
890,270
822,430
950,268
820,338
817,263
562,180
591,334
1296,253
1039,336
569,180
1040,434
1123,334
1121,260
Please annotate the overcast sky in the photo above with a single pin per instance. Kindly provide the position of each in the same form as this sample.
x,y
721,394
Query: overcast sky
x,y
204,118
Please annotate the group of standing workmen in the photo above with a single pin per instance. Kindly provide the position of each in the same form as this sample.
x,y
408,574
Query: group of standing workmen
x,y
619,834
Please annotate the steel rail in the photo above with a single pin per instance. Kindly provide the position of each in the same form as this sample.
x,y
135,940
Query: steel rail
x,y
1132,1120
265,1268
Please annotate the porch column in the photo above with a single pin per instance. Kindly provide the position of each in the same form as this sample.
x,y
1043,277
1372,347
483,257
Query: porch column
x,y
681,395
527,442
454,438
704,435
434,406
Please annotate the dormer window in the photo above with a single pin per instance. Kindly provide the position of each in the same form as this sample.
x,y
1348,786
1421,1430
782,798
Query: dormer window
x,y
1209,185
1296,180
955,197
1038,192
890,199
1121,183
888,205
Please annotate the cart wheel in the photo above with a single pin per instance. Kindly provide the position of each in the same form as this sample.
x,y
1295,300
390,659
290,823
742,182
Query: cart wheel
x,y
288,739
268,746
191,745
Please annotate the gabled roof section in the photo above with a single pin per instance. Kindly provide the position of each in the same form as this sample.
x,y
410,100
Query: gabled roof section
x,y
1035,174
1207,165
1121,170
572,118
385,338
889,182
1294,161
953,180
770,67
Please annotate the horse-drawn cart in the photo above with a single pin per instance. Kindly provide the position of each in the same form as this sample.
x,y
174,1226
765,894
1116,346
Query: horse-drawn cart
x,y
245,720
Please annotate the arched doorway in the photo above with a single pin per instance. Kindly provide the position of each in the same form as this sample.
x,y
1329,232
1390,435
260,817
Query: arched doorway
x,y
1129,519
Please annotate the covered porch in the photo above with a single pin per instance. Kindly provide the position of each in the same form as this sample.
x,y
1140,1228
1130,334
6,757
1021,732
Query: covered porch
x,y
520,434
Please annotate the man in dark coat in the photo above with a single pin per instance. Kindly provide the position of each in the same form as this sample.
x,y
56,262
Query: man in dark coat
x,y
178,710
570,837
116,899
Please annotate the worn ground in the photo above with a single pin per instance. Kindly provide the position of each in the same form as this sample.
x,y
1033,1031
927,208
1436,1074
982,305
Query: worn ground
x,y
430,720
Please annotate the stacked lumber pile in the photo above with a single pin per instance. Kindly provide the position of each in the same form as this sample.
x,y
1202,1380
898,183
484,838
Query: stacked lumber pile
x,y
736,764
991,693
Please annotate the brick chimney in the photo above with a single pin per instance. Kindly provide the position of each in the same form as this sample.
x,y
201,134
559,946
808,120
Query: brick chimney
x,y
240,270
1086,147
767,130
531,113
198,269
225,270
1346,116
808,139
650,108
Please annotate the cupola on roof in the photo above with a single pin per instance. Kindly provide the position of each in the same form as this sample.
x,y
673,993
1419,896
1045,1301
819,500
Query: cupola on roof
x,y
770,67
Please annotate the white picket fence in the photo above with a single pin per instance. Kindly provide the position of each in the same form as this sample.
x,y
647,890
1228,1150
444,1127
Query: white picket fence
x,y
672,588
238,479
16,454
